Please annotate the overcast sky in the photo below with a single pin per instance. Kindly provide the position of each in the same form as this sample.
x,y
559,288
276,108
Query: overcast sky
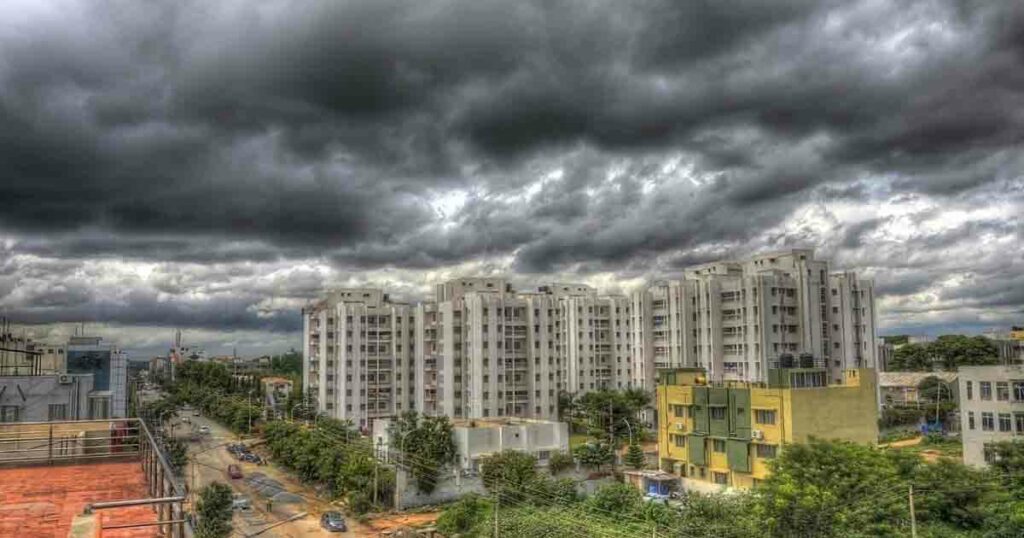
x,y
214,165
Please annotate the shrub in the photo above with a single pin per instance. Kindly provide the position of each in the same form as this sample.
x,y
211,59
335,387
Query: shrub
x,y
560,461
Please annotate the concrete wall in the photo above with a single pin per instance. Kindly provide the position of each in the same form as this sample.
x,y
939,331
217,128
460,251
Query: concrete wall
x,y
32,395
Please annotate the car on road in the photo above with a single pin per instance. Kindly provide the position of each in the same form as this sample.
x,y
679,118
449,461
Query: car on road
x,y
333,522
234,471
251,458
196,413
204,430
186,420
241,502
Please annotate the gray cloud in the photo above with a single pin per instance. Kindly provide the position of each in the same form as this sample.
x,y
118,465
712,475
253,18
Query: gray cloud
x,y
563,137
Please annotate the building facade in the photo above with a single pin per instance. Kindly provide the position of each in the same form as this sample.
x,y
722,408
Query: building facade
x,y
991,408
482,349
722,435
109,368
737,319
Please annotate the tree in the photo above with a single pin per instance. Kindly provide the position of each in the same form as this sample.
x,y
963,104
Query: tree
x,y
214,511
594,455
950,492
911,358
509,474
432,439
956,350
635,457
462,516
614,412
932,388
560,461
1007,459
824,489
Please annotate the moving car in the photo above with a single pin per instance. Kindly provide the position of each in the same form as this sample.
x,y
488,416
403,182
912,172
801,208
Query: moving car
x,y
204,429
333,522
241,503
234,471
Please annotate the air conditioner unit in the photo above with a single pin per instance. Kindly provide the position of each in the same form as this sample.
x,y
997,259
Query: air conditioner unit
x,y
756,434
681,426
64,379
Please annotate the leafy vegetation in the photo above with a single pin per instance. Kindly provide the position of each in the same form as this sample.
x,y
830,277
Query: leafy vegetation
x,y
559,462
594,455
213,511
635,457
332,453
947,352
234,401
434,447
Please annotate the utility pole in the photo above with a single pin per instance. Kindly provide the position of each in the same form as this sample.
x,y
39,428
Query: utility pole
x,y
913,518
497,501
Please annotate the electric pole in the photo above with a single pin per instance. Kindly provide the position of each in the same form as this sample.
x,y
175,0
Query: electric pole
x,y
497,501
913,518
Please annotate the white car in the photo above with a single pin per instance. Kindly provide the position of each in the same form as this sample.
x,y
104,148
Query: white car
x,y
205,430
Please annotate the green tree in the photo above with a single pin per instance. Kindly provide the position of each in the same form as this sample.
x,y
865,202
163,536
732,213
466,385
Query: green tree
x,y
614,412
434,446
462,516
594,455
1008,463
560,461
957,350
213,511
950,492
911,358
509,474
824,489
635,457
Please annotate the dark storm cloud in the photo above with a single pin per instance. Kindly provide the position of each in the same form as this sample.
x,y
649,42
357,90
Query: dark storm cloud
x,y
581,136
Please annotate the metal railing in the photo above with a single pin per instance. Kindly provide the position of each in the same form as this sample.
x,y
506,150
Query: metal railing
x,y
87,441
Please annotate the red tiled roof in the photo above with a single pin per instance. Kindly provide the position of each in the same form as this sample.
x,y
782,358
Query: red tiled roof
x,y
38,502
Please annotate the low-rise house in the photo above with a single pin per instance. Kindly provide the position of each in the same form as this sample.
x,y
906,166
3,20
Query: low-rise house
x,y
901,388
717,436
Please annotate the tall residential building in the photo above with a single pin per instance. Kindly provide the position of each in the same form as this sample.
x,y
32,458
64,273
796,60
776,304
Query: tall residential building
x,y
718,435
738,319
991,409
480,349
357,355
483,349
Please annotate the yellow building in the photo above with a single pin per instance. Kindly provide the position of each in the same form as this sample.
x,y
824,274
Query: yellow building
x,y
1017,333
723,435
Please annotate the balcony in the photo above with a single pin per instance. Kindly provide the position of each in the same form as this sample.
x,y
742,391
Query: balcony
x,y
101,476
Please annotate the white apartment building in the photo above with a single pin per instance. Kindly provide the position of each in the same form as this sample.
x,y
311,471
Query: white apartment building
x,y
991,408
737,319
357,355
482,349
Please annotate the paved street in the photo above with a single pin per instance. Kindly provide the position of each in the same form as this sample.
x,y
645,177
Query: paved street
x,y
209,460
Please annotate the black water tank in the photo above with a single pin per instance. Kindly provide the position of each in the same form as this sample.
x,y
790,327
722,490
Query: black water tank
x,y
806,360
786,360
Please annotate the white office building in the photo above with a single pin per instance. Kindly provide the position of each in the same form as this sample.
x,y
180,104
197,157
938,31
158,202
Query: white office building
x,y
991,409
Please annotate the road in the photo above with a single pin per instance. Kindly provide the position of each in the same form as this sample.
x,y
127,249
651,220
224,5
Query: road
x,y
209,460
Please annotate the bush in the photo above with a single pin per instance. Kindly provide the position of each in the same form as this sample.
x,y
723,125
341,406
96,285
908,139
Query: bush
x,y
359,502
462,516
560,461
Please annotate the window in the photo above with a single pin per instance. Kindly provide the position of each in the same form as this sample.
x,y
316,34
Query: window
x,y
970,420
766,451
988,422
680,440
717,413
986,390
9,413
970,390
720,478
764,416
679,411
1005,422
58,412
718,445
1018,418
99,407
1002,391
1018,391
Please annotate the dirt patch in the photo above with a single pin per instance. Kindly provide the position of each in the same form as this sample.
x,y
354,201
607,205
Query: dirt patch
x,y
385,522
904,443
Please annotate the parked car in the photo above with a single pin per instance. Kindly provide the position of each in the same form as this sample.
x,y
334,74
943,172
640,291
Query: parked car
x,y
234,471
251,458
196,413
186,420
204,430
333,522
241,502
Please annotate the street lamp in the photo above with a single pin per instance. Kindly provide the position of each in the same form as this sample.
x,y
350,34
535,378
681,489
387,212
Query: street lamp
x,y
630,429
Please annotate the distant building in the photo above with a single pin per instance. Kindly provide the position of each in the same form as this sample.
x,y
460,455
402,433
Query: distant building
x,y
722,435
109,368
476,439
275,394
20,355
481,349
900,388
736,319
46,397
991,409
